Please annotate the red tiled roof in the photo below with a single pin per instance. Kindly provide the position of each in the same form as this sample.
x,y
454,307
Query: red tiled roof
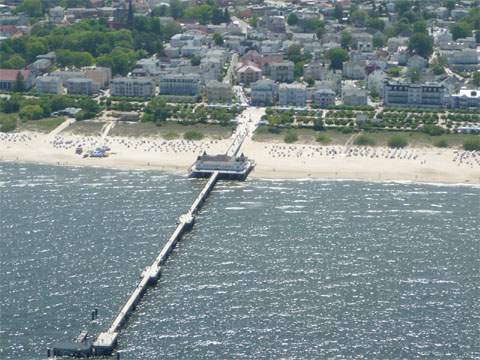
x,y
11,74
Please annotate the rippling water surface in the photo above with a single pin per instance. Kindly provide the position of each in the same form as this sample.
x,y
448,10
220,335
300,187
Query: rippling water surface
x,y
283,269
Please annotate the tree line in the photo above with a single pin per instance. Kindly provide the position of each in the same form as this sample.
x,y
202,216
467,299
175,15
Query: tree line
x,y
89,42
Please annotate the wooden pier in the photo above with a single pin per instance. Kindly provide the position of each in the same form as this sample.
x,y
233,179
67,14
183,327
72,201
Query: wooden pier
x,y
106,342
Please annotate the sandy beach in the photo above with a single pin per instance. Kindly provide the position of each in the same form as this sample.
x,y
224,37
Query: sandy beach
x,y
273,160
359,163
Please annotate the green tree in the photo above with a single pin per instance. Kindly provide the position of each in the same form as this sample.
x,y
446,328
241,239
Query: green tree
x,y
74,58
376,24
217,16
33,8
171,28
201,13
31,112
34,48
60,102
420,26
346,39
218,39
394,71
438,65
359,17
310,81
120,60
14,62
314,25
161,10
402,6
294,52
298,69
176,9
401,27
337,57
378,41
421,44
19,84
226,16
476,78
11,105
130,15
414,74
338,11
318,124
461,30
156,111
292,19
195,60
450,4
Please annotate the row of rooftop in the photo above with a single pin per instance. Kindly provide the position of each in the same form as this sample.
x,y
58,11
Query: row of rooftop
x,y
258,58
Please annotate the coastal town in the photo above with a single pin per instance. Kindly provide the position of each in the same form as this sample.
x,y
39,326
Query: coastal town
x,y
375,90
239,179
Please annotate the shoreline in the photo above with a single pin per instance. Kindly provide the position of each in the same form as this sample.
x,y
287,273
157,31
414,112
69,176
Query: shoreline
x,y
274,161
253,176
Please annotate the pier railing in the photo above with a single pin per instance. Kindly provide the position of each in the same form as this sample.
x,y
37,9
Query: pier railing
x,y
152,273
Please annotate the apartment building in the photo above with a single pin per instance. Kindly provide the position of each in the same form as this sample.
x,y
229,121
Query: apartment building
x,y
292,95
138,87
324,98
465,99
264,93
49,85
180,85
414,95
80,86
282,72
218,92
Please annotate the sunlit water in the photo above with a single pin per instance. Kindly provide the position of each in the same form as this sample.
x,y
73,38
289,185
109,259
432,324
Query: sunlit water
x,y
284,269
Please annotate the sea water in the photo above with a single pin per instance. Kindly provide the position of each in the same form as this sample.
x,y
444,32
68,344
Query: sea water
x,y
271,270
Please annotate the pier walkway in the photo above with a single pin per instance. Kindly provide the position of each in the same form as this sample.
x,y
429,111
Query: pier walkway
x,y
106,341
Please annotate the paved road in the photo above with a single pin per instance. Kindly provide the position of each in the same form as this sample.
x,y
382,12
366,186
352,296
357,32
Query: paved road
x,y
230,75
106,129
247,124
62,126
240,95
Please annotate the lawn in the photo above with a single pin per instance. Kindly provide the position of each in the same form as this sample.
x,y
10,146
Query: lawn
x,y
8,122
43,125
89,128
333,137
170,130
417,139
305,136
